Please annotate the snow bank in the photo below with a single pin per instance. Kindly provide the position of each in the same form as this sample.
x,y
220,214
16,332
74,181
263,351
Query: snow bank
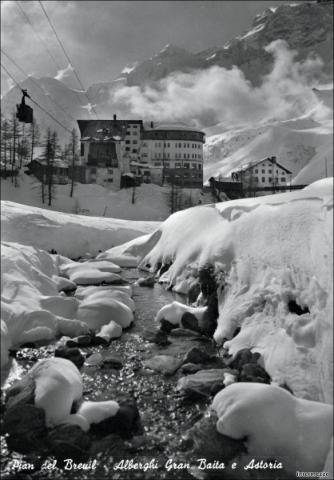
x,y
276,425
69,234
32,309
276,255
30,305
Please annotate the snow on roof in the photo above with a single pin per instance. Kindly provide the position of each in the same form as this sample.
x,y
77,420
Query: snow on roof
x,y
170,126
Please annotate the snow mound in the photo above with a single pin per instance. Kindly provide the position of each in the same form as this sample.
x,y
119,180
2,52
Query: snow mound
x,y
96,311
174,311
70,235
58,386
30,305
276,255
93,276
276,424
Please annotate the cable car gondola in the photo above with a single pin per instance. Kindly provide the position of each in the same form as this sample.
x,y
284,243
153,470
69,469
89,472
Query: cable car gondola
x,y
24,113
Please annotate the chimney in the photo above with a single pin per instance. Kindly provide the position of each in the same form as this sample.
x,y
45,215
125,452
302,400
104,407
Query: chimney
x,y
152,125
115,116
273,159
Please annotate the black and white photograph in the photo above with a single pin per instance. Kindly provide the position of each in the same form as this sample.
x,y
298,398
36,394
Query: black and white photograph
x,y
166,239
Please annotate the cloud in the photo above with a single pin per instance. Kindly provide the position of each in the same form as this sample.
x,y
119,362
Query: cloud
x,y
64,73
217,95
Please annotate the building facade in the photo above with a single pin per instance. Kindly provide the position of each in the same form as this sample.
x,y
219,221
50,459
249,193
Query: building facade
x,y
266,173
160,154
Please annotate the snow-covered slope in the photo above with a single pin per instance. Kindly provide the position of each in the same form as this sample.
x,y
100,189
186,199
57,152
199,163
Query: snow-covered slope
x,y
151,202
70,235
271,251
304,144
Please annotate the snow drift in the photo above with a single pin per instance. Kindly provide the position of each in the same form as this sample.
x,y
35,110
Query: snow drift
x,y
275,255
70,235
32,310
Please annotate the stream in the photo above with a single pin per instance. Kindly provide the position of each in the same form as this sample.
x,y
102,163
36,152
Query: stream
x,y
165,414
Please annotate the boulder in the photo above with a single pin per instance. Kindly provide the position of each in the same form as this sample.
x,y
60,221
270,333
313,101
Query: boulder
x,y
204,441
195,355
22,392
69,441
165,364
26,428
203,383
243,356
84,340
72,354
190,322
184,332
146,282
189,368
157,336
125,423
111,361
166,326
94,359
252,372
110,331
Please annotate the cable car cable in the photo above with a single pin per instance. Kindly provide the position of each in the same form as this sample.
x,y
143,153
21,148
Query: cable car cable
x,y
67,57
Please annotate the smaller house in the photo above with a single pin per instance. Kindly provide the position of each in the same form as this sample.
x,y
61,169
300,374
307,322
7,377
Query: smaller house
x,y
266,173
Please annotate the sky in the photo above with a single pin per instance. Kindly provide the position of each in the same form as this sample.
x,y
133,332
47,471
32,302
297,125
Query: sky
x,y
102,37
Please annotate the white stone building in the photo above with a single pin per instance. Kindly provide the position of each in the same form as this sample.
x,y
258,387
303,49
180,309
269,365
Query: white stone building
x,y
111,149
264,173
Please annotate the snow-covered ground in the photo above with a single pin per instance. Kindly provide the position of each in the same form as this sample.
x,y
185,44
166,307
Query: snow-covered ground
x,y
271,251
69,234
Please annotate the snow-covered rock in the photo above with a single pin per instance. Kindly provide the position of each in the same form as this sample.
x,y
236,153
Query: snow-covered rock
x,y
96,412
93,276
97,311
276,425
109,331
174,311
58,386
31,307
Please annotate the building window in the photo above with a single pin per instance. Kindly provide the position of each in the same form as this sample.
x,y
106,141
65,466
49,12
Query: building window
x,y
186,165
110,170
180,145
144,154
82,149
283,180
157,164
256,180
282,173
263,180
256,171
110,180
127,149
269,171
93,170
270,180
263,171
134,150
134,141
127,142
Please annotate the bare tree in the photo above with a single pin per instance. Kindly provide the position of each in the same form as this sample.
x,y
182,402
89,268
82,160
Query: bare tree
x,y
5,142
15,136
34,138
74,155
